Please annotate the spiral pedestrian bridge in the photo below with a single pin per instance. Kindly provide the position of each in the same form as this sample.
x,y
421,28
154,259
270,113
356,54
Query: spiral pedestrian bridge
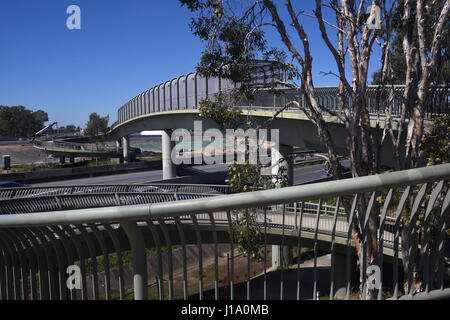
x,y
44,231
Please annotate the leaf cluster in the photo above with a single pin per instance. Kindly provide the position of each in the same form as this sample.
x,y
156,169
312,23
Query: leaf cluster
x,y
436,143
18,121
222,110
97,125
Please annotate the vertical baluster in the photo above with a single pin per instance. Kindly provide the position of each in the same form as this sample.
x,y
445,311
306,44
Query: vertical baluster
x,y
348,252
265,253
44,292
93,258
230,224
411,235
216,253
183,247
101,240
299,236
282,252
397,237
319,207
381,239
200,255
365,236
442,239
22,268
3,281
165,233
112,235
427,233
68,251
333,234
156,241
248,254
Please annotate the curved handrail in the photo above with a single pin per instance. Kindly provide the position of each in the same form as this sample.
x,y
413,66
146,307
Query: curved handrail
x,y
275,209
257,199
11,193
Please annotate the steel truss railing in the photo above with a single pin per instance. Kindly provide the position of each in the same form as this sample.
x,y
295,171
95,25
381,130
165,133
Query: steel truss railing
x,y
37,248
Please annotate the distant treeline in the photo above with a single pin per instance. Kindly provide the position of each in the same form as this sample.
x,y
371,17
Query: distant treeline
x,y
18,121
67,129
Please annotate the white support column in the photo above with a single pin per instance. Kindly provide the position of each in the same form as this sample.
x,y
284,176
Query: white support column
x,y
280,253
126,148
283,153
169,169
137,245
118,160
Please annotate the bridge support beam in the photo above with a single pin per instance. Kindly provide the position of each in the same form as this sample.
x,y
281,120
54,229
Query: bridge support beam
x,y
126,148
137,244
169,169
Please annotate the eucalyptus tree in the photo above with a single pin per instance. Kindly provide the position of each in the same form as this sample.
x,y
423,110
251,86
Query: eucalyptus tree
x,y
236,34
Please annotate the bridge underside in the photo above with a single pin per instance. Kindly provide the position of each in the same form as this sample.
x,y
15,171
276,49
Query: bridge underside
x,y
294,129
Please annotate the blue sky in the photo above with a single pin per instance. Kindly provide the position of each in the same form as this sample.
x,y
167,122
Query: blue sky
x,y
123,48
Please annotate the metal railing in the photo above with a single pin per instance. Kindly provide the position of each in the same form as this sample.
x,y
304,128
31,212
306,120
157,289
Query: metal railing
x,y
61,145
36,248
186,91
13,193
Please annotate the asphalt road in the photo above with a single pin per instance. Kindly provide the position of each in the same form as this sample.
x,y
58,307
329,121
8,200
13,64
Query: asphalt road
x,y
301,175
133,178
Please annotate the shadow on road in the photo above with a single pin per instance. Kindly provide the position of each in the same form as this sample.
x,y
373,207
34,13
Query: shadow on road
x,y
274,285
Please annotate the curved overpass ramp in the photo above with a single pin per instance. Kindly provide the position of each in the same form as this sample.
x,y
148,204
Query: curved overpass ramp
x,y
173,105
64,146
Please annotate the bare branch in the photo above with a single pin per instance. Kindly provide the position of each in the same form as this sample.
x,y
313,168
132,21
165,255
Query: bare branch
x,y
330,73
282,31
338,58
325,21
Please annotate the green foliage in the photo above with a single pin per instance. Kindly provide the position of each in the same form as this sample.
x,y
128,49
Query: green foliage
x,y
436,144
97,125
247,234
222,110
68,129
235,44
17,121
397,72
244,177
